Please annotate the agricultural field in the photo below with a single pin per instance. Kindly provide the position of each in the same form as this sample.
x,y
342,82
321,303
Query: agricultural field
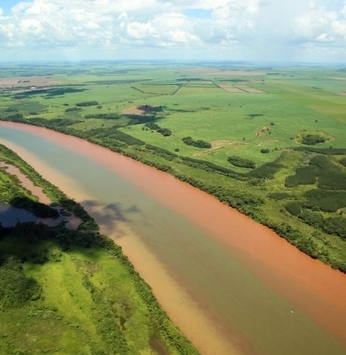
x,y
268,141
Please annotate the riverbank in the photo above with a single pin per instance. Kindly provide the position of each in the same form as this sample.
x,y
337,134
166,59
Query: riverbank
x,y
70,221
183,310
311,286
77,265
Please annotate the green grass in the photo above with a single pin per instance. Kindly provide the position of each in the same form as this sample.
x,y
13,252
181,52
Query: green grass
x,y
89,303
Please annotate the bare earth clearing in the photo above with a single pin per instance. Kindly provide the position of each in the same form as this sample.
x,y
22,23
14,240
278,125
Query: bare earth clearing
x,y
230,88
250,90
218,145
30,81
137,110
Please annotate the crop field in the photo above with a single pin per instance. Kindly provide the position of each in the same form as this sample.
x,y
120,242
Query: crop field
x,y
274,133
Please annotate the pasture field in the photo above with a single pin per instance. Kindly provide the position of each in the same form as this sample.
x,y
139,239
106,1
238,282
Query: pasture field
x,y
268,141
73,292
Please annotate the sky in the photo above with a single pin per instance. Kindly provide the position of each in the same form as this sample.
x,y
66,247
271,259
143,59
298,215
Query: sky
x,y
227,30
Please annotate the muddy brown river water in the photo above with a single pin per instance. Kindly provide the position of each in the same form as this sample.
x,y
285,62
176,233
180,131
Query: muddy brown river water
x,y
230,284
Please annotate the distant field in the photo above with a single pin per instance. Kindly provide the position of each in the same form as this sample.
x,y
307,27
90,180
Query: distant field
x,y
258,130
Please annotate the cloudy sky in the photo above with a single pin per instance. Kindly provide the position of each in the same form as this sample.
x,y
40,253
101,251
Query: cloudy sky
x,y
255,30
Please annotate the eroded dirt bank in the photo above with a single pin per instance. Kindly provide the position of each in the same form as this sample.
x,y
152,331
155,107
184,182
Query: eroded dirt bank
x,y
312,286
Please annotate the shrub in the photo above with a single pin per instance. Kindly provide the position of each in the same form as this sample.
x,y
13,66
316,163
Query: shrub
x,y
312,218
196,143
279,195
304,176
160,151
152,126
312,139
165,132
72,109
294,208
87,103
267,170
106,116
291,181
324,200
335,225
15,287
241,162
17,117
188,140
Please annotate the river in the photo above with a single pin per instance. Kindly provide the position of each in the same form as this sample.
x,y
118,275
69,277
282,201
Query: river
x,y
231,285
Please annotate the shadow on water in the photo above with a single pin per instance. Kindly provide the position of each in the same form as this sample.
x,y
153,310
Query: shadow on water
x,y
109,215
106,213
24,235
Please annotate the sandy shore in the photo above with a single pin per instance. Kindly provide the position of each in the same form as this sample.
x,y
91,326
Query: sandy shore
x,y
26,182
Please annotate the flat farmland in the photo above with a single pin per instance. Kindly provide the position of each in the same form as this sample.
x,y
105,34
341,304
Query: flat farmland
x,y
274,133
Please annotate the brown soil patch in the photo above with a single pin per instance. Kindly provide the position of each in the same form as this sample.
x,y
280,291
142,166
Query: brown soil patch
x,y
342,93
137,110
230,88
225,143
250,90
219,144
264,130
30,81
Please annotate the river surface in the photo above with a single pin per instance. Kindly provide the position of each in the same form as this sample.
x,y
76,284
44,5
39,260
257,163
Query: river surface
x,y
231,285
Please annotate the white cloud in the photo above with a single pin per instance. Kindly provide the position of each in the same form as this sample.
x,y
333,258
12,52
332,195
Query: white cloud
x,y
247,29
322,23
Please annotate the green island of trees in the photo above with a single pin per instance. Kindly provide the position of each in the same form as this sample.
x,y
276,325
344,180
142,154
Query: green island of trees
x,y
199,143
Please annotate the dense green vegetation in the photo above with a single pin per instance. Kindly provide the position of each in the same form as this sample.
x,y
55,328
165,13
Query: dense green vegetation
x,y
312,139
59,286
37,208
241,162
72,291
155,127
283,134
199,143
87,103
